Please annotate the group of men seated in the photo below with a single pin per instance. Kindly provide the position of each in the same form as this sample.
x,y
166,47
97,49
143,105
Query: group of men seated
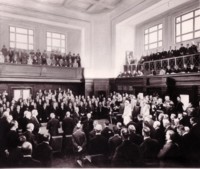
x,y
128,73
174,70
157,132
169,70
53,58
188,50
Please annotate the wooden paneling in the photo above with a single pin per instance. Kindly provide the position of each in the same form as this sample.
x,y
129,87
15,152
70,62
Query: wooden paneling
x,y
39,73
77,88
167,84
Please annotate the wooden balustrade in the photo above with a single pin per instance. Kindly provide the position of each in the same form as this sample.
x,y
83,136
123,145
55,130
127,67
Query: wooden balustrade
x,y
15,72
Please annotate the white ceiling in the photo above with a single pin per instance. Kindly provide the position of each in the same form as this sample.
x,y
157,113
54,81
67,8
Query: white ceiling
x,y
86,6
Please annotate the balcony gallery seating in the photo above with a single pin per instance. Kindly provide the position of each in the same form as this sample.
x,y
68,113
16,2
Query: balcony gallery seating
x,y
183,60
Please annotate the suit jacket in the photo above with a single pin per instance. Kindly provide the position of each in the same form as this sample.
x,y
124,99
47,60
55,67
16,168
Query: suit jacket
x,y
88,126
159,135
113,143
98,145
195,142
53,125
30,137
107,132
149,149
79,139
68,126
12,139
43,153
136,138
170,151
127,155
91,134
29,162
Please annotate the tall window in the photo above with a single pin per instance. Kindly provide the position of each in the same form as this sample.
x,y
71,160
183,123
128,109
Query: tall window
x,y
56,41
188,26
21,38
153,37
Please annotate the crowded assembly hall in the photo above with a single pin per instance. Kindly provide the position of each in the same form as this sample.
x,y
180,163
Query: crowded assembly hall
x,y
95,83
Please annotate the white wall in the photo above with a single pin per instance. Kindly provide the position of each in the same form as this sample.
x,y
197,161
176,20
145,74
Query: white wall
x,y
168,21
100,48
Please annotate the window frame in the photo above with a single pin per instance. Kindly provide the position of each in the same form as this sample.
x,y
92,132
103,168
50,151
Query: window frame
x,y
27,34
185,20
158,29
53,47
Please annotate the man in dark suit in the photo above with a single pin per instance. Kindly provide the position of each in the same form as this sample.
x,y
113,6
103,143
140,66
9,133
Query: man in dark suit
x,y
150,147
107,132
195,140
43,152
88,125
158,133
127,154
170,152
27,161
114,141
68,124
182,50
98,144
53,125
184,142
134,138
79,142
25,120
30,137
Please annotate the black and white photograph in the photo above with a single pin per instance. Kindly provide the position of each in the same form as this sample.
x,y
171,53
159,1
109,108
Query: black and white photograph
x,y
99,83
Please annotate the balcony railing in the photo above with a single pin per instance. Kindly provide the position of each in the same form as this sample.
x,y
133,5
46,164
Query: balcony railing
x,y
156,65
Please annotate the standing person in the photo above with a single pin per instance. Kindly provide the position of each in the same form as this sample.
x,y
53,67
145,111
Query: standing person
x,y
79,143
53,125
88,125
149,147
107,132
27,160
127,154
98,144
127,113
68,124
169,154
30,137
179,106
114,141
44,152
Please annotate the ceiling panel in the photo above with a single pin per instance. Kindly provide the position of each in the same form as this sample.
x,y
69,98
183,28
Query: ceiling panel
x,y
87,6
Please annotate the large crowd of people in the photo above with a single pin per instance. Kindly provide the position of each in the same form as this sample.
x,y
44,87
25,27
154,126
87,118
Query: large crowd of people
x,y
139,131
53,58
188,50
